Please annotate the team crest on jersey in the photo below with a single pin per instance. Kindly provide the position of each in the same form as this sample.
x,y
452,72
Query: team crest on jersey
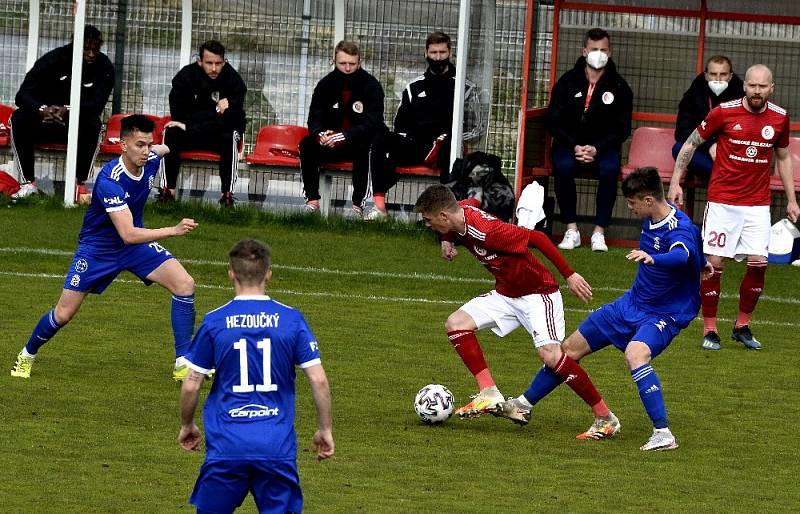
x,y
608,97
358,107
81,265
767,132
751,151
480,251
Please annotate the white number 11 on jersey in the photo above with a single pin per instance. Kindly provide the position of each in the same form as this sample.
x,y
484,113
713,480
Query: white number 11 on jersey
x,y
244,385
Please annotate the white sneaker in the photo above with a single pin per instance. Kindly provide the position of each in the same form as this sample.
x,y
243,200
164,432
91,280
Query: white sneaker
x,y
376,215
796,263
483,402
26,189
660,440
572,239
310,208
599,242
354,213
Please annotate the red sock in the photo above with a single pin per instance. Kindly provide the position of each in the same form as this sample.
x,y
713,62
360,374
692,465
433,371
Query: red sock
x,y
380,201
750,290
574,376
709,299
469,349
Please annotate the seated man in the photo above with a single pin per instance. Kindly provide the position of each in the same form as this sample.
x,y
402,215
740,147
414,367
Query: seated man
x,y
589,117
43,114
345,114
423,123
207,107
709,89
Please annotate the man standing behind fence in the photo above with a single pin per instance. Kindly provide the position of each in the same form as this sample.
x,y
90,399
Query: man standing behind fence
x,y
207,107
345,114
589,117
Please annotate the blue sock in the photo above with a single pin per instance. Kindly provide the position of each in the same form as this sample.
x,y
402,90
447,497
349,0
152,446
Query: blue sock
x,y
182,323
543,384
44,331
650,393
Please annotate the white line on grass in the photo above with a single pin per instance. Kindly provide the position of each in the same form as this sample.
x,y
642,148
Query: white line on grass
x,y
349,297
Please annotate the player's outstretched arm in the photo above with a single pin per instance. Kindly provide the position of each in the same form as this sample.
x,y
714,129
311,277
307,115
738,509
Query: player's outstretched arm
x,y
320,389
579,287
675,193
787,178
189,436
123,222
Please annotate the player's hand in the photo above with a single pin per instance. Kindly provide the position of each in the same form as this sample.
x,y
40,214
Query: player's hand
x,y
334,139
793,212
675,194
189,438
579,287
449,251
639,256
174,123
222,106
323,444
322,137
185,226
707,271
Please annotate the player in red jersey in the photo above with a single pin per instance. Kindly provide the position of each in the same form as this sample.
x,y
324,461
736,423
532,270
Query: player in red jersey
x,y
737,218
525,293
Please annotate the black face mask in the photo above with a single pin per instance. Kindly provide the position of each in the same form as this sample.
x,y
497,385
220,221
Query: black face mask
x,y
438,67
345,78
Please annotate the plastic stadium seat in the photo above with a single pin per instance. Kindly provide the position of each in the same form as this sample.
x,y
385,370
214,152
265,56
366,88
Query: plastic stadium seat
x,y
278,145
337,166
775,180
111,139
420,170
5,124
652,146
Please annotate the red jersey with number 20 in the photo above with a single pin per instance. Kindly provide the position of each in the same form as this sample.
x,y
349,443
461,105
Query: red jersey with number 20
x,y
746,140
503,249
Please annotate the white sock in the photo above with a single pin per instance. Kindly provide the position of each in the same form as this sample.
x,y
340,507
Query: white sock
x,y
180,361
662,430
25,353
524,402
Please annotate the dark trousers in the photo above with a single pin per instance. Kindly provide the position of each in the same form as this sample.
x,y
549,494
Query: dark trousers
x,y
390,149
225,143
605,167
312,154
701,163
27,129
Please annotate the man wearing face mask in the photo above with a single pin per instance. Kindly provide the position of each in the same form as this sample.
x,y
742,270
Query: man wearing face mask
x,y
345,114
709,89
423,123
589,117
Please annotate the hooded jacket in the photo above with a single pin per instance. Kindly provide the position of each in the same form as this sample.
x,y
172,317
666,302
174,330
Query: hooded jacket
x,y
194,95
606,124
698,101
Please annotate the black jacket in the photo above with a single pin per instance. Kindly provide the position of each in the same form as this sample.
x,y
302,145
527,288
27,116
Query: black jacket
x,y
426,108
607,122
48,82
698,101
192,99
365,106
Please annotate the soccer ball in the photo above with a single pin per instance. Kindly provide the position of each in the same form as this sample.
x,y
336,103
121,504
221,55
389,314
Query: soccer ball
x,y
434,404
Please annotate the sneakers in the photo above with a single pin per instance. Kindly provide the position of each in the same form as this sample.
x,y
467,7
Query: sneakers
x,y
226,200
481,403
572,240
311,207
376,215
711,341
22,368
165,195
25,190
181,370
662,439
599,242
602,428
744,336
513,410
354,213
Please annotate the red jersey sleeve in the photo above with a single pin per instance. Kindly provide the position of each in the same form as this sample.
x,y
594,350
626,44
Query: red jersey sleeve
x,y
539,240
711,126
783,142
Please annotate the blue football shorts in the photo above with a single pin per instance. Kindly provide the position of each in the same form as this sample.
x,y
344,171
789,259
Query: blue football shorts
x,y
620,322
223,485
93,270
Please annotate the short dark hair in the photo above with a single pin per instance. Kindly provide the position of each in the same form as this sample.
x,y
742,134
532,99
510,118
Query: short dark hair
x,y
434,38
435,199
250,260
595,34
134,122
213,46
92,33
719,59
642,182
348,47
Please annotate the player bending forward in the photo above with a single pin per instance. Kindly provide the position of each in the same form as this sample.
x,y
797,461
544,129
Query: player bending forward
x,y
525,293
113,239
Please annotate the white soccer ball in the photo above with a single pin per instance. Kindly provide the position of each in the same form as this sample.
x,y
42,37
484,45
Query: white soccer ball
x,y
434,404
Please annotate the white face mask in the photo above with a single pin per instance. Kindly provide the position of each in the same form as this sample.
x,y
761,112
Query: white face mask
x,y
717,86
597,59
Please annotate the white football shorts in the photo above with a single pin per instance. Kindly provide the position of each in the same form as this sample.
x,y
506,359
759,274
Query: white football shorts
x,y
735,231
542,315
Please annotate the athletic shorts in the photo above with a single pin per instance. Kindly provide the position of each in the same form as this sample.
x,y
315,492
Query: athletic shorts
x,y
736,231
542,315
223,485
620,322
93,271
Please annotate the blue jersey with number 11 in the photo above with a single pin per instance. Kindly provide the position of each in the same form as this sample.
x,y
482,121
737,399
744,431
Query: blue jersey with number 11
x,y
254,343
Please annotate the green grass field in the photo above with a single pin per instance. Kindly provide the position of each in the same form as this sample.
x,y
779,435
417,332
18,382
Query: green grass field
x,y
94,429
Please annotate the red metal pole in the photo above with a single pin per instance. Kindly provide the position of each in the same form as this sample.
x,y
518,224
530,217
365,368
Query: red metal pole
x,y
701,38
523,119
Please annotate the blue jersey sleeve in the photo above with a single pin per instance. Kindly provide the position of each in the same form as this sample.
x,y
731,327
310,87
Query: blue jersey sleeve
x,y
306,346
201,352
111,195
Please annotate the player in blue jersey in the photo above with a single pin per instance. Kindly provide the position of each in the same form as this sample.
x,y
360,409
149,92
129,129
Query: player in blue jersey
x,y
664,298
113,239
254,343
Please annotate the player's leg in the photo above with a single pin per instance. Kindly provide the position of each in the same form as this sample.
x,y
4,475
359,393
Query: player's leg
x,y
227,144
88,135
608,165
276,487
221,487
564,167
25,125
176,139
310,158
388,148
360,153
754,243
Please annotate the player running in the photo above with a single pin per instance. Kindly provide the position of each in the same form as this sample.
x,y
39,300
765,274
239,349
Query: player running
x,y
525,293
113,239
